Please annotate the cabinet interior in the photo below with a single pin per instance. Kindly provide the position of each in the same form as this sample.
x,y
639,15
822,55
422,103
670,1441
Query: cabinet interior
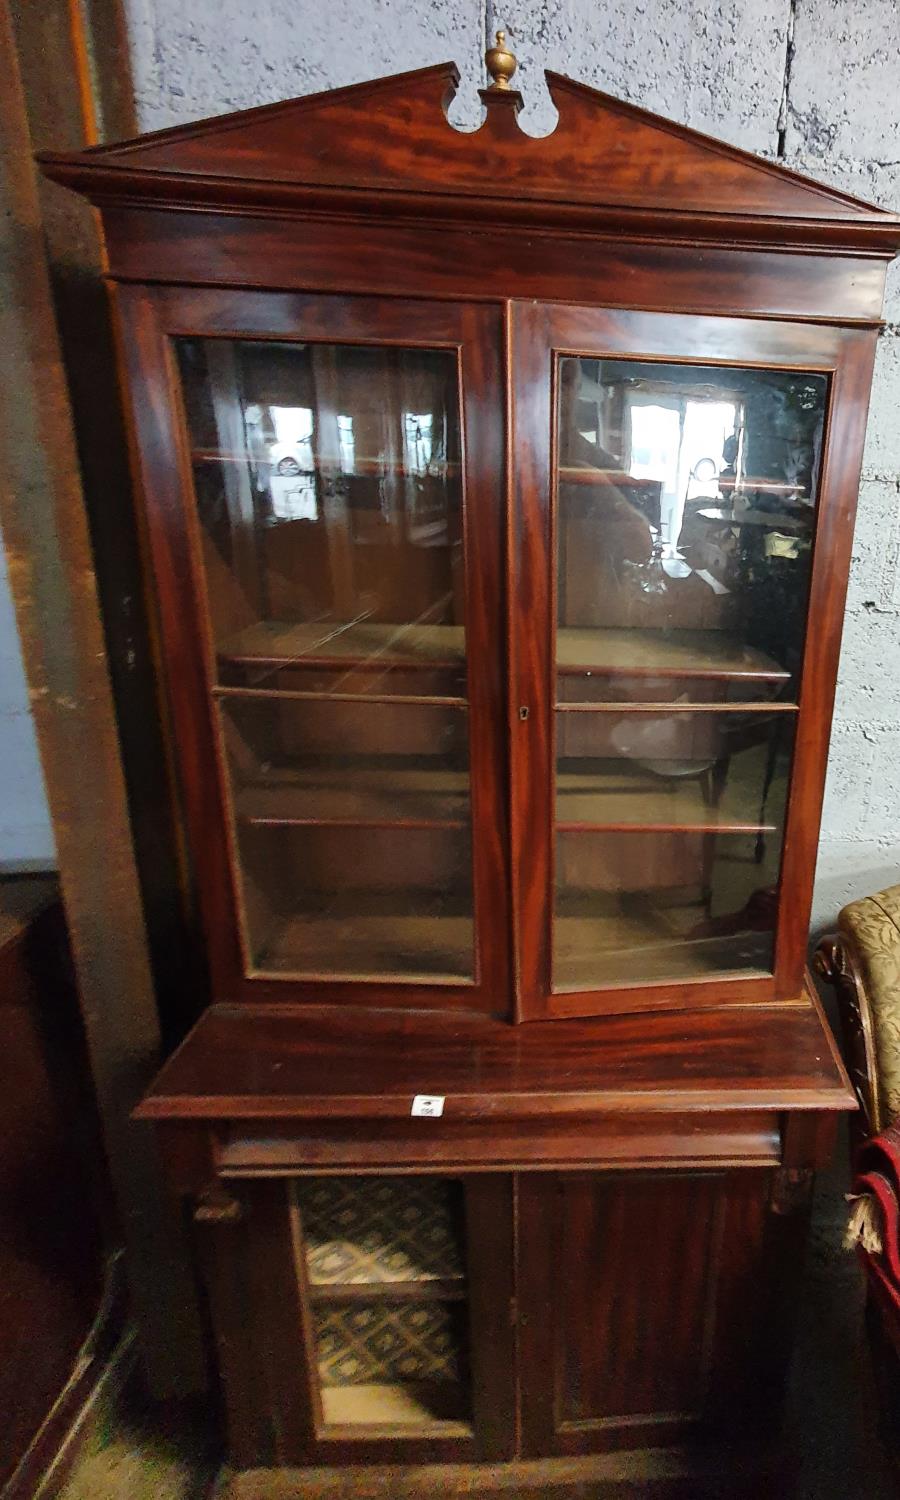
x,y
383,1264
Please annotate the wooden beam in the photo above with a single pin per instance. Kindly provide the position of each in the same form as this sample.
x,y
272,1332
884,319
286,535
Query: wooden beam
x,y
46,534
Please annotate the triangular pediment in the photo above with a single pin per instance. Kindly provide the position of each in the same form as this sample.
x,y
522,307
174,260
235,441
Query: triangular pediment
x,y
392,136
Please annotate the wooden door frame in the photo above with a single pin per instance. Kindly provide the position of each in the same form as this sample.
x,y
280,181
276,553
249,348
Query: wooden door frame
x,y
150,318
260,1300
538,333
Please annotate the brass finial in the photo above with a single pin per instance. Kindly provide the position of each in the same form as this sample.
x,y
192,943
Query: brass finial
x,y
500,63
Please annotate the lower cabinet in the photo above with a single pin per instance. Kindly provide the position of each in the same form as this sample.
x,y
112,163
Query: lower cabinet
x,y
647,1303
491,1316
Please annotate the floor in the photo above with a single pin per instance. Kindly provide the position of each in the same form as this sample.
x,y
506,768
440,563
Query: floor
x,y
147,1454
831,1422
830,1427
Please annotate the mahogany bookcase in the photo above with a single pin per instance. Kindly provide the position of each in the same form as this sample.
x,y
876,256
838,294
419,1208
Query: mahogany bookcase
x,y
499,495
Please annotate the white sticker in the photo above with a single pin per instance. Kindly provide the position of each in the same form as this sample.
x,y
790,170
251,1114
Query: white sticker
x,y
429,1105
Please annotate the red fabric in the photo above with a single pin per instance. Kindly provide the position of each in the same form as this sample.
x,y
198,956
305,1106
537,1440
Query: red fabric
x,y
878,1175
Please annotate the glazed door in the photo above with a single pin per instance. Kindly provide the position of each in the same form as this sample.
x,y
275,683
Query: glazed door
x,y
684,498
365,1319
324,484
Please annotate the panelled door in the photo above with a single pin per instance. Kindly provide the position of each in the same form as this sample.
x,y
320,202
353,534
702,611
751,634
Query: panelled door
x,y
683,500
328,554
648,1307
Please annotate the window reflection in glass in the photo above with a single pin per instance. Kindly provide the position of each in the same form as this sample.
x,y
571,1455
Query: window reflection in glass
x,y
328,491
686,504
686,499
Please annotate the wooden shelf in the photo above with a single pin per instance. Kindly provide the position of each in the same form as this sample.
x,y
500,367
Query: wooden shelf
x,y
362,645
658,653
616,798
432,1408
372,945
363,467
616,949
586,475
373,796
425,1289
280,1063
768,486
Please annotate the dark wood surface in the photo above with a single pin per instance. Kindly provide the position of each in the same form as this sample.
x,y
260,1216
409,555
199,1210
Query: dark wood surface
x,y
245,1062
376,143
643,195
640,1286
444,260
604,1312
536,334
149,318
264,1314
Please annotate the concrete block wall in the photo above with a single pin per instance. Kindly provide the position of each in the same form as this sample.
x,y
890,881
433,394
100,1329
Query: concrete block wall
x,y
813,83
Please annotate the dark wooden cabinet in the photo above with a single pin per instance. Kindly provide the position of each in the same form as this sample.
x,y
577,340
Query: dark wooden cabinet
x,y
499,498
375,1318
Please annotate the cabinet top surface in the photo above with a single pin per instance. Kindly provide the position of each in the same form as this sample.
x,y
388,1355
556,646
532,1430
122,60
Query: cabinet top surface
x,y
266,1062
387,147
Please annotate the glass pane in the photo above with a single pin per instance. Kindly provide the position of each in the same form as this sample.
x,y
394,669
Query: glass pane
x,y
645,907
386,1275
357,903
686,500
686,505
683,769
329,498
295,761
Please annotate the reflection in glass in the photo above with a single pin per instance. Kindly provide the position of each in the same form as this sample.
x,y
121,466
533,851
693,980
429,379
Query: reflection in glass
x,y
329,498
686,500
669,844
686,504
726,772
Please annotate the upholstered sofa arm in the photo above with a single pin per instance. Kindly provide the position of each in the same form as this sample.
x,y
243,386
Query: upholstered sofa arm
x,y
862,961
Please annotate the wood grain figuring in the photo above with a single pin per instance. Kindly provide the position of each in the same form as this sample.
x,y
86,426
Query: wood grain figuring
x,y
146,244
610,1363
605,1139
257,1062
841,464
638,1312
389,136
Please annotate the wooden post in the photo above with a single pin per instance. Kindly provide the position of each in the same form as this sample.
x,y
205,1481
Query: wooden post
x,y
45,531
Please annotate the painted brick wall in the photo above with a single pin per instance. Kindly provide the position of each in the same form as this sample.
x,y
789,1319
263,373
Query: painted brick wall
x,y
812,82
